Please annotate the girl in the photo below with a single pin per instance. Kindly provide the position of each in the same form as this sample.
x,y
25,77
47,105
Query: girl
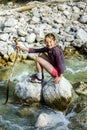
x,y
50,58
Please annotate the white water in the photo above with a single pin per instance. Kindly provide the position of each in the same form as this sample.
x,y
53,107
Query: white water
x,y
12,122
9,117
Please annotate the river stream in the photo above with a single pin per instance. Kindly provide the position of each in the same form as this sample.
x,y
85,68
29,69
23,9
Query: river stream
x,y
10,117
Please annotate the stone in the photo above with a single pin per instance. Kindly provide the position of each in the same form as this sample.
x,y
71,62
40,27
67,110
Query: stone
x,y
76,9
11,22
52,119
82,35
21,32
62,7
58,96
2,62
79,120
81,88
43,120
4,37
13,56
28,92
30,38
35,19
83,19
81,5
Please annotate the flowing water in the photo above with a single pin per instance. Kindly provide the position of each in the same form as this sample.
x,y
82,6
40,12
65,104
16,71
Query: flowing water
x,y
10,117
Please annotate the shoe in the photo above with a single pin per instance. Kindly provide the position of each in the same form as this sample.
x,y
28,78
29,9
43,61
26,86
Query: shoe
x,y
34,79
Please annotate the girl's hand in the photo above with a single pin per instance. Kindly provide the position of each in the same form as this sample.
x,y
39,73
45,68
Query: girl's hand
x,y
22,48
57,79
18,46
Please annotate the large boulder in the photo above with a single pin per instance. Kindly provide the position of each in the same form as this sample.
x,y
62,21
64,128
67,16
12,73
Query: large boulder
x,y
58,96
28,92
79,120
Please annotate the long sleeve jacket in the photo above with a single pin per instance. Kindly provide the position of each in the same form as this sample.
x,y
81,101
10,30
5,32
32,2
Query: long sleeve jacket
x,y
55,56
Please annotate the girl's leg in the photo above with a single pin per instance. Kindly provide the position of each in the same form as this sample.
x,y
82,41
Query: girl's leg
x,y
43,61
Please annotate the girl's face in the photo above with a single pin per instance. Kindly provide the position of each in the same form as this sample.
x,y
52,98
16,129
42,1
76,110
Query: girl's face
x,y
50,43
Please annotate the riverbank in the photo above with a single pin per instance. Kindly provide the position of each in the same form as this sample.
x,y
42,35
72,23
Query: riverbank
x,y
66,20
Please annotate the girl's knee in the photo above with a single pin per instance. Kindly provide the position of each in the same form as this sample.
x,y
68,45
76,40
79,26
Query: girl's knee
x,y
38,59
42,55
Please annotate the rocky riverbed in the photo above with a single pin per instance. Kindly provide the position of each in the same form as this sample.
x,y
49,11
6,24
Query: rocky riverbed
x,y
68,21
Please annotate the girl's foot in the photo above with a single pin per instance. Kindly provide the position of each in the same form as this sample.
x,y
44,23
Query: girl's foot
x,y
34,79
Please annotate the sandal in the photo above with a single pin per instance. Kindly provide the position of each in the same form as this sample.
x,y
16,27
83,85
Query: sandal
x,y
34,79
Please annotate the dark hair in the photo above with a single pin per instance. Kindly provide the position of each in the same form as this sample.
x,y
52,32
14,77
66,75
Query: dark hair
x,y
50,35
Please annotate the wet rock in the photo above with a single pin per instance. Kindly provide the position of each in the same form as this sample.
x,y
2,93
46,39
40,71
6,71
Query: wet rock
x,y
43,120
27,111
28,92
58,96
52,119
81,88
79,120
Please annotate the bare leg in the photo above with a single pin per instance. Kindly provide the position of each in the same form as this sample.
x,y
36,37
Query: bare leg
x,y
43,61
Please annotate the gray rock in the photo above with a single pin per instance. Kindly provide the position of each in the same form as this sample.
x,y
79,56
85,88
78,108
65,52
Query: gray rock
x,y
58,96
35,20
4,37
83,19
29,92
82,35
76,9
11,22
81,5
30,38
21,32
9,30
3,47
51,120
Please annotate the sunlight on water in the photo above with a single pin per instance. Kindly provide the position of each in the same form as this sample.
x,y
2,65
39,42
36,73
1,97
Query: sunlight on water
x,y
11,121
20,70
76,70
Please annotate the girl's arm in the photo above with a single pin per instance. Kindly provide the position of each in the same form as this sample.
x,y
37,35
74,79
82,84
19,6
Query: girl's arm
x,y
22,48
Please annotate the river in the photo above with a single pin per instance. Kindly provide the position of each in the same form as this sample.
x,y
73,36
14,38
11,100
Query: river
x,y
10,117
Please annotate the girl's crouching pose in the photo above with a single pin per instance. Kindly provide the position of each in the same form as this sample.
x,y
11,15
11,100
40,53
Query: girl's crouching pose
x,y
51,58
